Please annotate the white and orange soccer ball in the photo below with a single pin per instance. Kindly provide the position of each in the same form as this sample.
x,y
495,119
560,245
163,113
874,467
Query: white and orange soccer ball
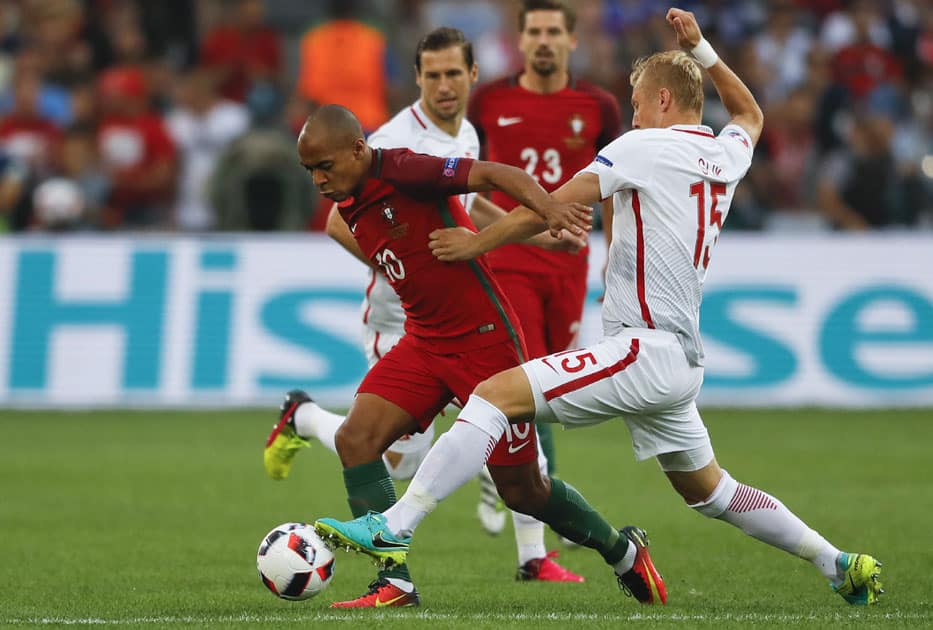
x,y
293,562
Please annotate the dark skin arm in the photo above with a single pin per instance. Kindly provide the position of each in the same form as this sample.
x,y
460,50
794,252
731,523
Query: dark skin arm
x,y
454,244
574,217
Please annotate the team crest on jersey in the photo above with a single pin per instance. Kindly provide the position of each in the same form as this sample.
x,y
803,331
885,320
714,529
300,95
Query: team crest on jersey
x,y
576,124
389,215
396,230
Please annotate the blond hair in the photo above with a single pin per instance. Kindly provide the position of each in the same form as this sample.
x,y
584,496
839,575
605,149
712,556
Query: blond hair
x,y
675,70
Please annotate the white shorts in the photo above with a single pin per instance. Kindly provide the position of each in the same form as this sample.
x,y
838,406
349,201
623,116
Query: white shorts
x,y
376,343
641,375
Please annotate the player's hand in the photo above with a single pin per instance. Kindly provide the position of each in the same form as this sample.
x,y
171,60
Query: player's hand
x,y
568,218
567,242
453,244
686,27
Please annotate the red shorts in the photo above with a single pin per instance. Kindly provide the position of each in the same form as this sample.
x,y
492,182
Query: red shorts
x,y
423,383
549,307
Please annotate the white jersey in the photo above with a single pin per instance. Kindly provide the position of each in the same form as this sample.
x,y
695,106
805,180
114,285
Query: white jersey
x,y
411,128
671,191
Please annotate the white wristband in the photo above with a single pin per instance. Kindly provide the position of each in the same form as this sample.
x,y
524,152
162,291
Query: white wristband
x,y
704,53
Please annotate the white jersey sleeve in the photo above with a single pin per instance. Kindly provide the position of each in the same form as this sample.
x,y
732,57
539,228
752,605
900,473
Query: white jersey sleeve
x,y
617,173
671,190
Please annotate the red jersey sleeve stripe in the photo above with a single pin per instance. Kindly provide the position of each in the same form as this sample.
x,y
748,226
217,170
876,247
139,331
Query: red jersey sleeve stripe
x,y
589,379
640,260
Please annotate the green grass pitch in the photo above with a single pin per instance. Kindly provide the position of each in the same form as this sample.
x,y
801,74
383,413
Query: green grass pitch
x,y
151,519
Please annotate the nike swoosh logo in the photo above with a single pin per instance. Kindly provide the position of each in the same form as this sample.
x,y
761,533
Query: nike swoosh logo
x,y
381,603
384,544
505,122
514,449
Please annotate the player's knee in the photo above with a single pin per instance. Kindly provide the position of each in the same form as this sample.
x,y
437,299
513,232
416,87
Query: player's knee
x,y
510,392
718,501
529,497
356,445
489,390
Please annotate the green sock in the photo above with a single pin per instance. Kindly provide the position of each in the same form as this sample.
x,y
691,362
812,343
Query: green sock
x,y
369,487
546,437
568,514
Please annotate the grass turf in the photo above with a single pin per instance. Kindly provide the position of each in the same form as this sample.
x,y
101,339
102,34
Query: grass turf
x,y
151,519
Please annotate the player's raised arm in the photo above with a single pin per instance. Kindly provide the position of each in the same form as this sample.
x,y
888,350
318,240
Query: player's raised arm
x,y
515,182
735,95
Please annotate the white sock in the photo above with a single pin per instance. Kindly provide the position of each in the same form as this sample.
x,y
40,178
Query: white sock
x,y
401,584
762,516
455,458
529,537
313,421
627,562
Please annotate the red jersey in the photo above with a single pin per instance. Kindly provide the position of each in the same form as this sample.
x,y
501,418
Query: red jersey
x,y
130,145
31,139
248,54
551,136
449,307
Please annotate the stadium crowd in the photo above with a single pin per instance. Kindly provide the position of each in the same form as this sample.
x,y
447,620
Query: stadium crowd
x,y
182,114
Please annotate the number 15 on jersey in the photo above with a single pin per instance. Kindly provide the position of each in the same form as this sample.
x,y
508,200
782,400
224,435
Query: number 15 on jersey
x,y
708,226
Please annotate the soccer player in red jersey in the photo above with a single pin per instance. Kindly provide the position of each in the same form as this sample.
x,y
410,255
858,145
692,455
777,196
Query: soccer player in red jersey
x,y
435,124
550,124
459,328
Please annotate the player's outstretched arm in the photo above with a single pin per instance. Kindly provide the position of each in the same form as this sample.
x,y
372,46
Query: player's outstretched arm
x,y
515,182
338,230
452,244
484,213
519,225
735,95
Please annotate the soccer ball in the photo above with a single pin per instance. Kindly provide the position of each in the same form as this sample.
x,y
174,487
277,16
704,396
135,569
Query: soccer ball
x,y
293,562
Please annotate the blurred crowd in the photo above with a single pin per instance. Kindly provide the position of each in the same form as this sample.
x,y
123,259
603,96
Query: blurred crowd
x,y
182,114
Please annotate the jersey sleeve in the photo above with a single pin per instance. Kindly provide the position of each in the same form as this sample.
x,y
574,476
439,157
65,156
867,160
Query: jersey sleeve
x,y
474,116
610,117
626,162
738,145
423,175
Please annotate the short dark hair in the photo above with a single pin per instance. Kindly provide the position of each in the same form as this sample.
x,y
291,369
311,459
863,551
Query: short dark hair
x,y
570,16
441,39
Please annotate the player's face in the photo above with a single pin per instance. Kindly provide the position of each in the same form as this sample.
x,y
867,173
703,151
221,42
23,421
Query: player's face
x,y
546,42
646,107
445,82
336,169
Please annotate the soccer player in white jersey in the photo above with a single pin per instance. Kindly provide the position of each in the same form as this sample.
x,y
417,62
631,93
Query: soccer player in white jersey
x,y
434,125
672,181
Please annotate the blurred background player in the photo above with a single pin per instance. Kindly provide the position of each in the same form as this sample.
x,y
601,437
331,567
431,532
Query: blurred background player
x,y
435,124
550,124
